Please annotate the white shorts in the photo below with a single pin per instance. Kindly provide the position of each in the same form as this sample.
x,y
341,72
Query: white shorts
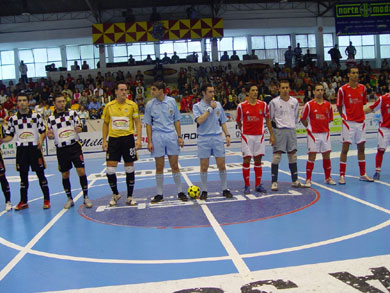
x,y
318,142
383,137
353,132
252,145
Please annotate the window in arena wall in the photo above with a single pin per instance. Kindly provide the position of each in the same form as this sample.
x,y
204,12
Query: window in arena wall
x,y
147,49
135,50
37,59
328,44
271,46
120,53
89,53
230,44
7,65
364,44
166,47
306,41
384,41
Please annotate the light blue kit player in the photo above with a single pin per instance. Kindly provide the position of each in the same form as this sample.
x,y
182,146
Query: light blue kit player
x,y
211,121
162,119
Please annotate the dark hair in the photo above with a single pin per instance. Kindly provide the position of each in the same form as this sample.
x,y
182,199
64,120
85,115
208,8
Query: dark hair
x,y
284,81
204,88
352,67
249,86
57,95
159,85
318,84
21,94
118,83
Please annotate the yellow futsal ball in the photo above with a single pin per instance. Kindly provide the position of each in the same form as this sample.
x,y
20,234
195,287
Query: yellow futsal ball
x,y
193,191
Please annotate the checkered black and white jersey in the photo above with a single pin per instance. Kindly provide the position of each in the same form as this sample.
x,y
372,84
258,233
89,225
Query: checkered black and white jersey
x,y
26,127
63,126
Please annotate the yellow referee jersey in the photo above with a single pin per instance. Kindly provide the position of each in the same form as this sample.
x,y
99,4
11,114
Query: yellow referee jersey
x,y
120,117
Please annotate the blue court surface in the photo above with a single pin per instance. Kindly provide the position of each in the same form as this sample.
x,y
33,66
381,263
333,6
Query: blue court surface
x,y
323,239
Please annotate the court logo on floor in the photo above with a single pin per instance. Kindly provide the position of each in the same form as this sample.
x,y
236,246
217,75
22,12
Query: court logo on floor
x,y
173,213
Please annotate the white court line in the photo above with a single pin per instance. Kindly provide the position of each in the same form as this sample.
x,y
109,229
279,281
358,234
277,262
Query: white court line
x,y
227,244
4,272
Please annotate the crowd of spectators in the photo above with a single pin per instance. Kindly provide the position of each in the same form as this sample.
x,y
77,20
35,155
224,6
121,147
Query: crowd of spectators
x,y
90,95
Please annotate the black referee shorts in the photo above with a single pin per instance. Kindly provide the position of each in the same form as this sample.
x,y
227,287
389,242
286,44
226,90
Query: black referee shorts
x,y
122,146
2,166
27,156
68,155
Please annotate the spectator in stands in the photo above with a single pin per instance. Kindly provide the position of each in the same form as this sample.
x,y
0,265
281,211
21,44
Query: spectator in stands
x,y
139,76
309,95
66,90
350,51
3,113
242,95
83,114
335,54
205,57
131,60
385,65
3,96
8,104
234,57
298,54
288,57
99,78
76,96
175,58
148,60
75,66
23,71
85,65
225,56
79,86
98,92
141,103
84,98
94,109
166,59
253,56
31,102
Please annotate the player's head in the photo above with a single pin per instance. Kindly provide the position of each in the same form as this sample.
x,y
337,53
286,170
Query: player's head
x,y
284,88
121,91
318,91
59,102
353,74
22,101
208,92
158,89
252,90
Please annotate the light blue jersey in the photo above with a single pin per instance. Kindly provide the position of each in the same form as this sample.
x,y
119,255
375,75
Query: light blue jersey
x,y
162,115
212,125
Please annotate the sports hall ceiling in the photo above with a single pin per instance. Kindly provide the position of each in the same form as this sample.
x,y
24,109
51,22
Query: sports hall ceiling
x,y
19,7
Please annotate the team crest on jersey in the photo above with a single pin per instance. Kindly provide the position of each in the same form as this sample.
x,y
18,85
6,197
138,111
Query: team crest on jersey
x,y
218,113
171,112
292,106
261,112
126,110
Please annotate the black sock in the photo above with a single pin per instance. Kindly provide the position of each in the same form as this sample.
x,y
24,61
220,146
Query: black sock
x,y
130,183
66,185
5,188
44,185
294,171
23,186
274,172
84,184
112,182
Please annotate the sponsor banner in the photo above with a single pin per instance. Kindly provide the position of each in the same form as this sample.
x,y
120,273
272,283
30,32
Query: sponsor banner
x,y
92,141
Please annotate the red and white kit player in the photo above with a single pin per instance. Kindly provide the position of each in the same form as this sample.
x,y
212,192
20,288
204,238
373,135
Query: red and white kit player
x,y
250,119
351,98
383,104
316,116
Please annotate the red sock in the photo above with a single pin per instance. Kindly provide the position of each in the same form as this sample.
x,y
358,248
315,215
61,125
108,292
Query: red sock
x,y
379,159
309,169
246,173
343,167
327,168
258,174
362,166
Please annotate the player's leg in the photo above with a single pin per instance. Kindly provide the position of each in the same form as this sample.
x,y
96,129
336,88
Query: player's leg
x,y
362,163
279,147
129,156
258,150
159,179
246,173
380,151
204,166
326,162
218,150
84,186
5,185
174,163
113,156
291,148
343,161
309,168
38,165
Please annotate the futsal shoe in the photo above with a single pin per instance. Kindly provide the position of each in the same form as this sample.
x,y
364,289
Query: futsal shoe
x,y
296,184
21,206
182,196
130,201
46,204
260,188
87,202
157,198
366,178
377,176
247,189
342,180
8,206
203,195
226,193
274,186
114,200
69,203
330,181
307,184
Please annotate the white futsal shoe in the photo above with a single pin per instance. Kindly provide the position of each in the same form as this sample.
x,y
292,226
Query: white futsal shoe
x,y
330,181
274,186
307,184
8,206
114,199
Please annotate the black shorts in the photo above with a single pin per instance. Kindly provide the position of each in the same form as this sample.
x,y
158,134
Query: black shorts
x,y
27,156
68,155
2,166
122,146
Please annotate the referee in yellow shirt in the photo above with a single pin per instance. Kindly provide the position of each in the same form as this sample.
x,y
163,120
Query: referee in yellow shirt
x,y
120,116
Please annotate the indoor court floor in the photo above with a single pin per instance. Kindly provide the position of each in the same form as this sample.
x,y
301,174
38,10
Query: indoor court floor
x,y
323,239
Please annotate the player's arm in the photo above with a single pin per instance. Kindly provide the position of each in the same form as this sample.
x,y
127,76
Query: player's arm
x,y
6,138
178,131
104,135
226,132
270,130
149,135
78,124
368,110
138,130
202,118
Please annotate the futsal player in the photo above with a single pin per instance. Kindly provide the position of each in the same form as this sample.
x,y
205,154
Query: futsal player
x,y
63,126
162,119
3,179
382,104
250,118
316,116
351,98
284,114
120,116
211,123
30,131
